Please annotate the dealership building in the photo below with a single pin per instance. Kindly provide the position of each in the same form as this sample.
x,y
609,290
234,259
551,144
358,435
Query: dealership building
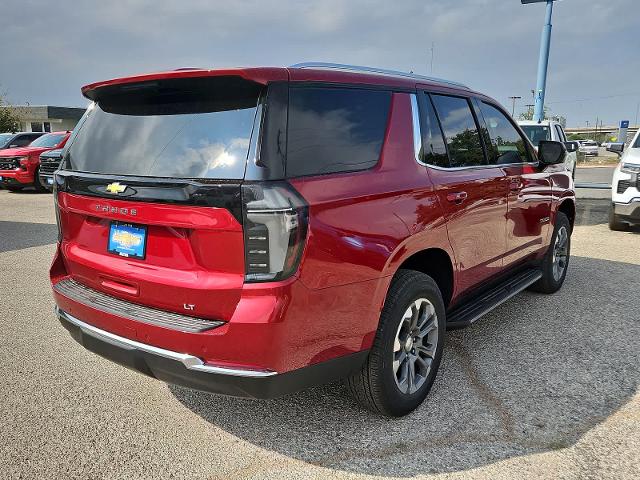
x,y
46,118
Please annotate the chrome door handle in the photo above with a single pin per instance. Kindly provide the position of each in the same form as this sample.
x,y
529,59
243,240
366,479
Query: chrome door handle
x,y
457,197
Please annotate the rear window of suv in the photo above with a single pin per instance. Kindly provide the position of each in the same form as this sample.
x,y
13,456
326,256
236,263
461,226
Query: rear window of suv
x,y
335,129
195,128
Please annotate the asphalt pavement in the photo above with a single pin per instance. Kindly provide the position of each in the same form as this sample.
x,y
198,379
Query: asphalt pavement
x,y
600,175
546,386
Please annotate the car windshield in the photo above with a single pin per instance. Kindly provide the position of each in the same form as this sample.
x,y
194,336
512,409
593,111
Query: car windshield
x,y
190,129
537,133
636,144
48,141
4,138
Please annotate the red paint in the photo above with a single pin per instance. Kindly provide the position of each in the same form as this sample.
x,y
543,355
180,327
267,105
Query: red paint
x,y
362,227
26,175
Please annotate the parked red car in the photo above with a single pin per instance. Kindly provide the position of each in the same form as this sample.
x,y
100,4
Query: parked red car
x,y
19,166
255,231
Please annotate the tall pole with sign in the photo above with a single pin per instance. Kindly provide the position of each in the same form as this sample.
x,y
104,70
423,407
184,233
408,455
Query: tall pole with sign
x,y
543,60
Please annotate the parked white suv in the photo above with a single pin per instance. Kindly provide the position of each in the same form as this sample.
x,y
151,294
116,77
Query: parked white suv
x,y
625,186
551,130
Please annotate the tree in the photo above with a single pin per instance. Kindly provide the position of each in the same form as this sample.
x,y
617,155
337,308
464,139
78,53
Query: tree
x,y
528,115
9,121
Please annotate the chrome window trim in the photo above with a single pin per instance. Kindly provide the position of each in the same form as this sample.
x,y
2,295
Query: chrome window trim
x,y
479,167
417,145
189,361
417,132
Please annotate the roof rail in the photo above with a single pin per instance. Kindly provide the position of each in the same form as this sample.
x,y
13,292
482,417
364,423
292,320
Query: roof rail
x,y
379,71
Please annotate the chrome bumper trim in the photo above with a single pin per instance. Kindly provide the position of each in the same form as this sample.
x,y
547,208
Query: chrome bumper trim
x,y
122,308
189,361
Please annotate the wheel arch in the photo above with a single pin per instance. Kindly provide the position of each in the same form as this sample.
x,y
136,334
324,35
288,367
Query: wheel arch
x,y
568,207
436,263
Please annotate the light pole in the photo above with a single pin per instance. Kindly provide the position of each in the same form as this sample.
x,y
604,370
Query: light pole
x,y
543,60
513,105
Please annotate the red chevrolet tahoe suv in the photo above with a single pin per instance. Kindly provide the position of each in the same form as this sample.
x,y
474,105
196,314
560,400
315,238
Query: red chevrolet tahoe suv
x,y
255,231
19,167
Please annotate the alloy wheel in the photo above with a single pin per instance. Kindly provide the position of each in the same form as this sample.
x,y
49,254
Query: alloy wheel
x,y
560,253
415,345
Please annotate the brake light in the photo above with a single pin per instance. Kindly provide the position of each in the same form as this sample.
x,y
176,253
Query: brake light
x,y
275,230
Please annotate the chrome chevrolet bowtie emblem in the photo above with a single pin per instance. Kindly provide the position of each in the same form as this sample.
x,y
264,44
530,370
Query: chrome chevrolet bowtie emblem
x,y
115,187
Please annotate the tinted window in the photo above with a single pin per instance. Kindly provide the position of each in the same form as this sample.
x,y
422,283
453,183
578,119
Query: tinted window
x,y
434,151
22,141
507,146
195,128
335,130
561,136
460,131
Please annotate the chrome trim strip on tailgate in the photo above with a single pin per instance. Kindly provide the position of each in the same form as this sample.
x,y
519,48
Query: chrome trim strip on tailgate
x,y
115,306
189,361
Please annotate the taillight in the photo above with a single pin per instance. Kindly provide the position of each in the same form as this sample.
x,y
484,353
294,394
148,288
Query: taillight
x,y
275,230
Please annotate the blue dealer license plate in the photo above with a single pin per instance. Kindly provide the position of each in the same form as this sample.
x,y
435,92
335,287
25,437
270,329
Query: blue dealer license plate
x,y
127,240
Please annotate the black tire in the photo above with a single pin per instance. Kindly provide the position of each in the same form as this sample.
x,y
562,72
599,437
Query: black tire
x,y
615,224
375,386
36,182
550,282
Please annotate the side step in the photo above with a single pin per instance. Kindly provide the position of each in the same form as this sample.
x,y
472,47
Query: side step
x,y
467,313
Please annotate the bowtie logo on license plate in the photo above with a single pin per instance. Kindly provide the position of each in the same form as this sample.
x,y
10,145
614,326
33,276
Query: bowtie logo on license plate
x,y
127,239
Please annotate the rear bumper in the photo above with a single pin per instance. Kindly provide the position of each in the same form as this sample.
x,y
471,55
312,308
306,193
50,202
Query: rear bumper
x,y
192,372
629,212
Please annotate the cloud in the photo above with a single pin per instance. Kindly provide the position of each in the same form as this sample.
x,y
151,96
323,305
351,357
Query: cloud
x,y
491,45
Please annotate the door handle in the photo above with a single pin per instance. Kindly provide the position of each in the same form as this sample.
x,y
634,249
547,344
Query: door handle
x,y
515,186
457,197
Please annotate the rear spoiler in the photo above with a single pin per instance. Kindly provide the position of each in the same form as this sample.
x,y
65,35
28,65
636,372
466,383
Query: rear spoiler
x,y
261,75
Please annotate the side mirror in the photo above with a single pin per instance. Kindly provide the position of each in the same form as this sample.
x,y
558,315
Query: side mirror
x,y
616,148
551,153
571,146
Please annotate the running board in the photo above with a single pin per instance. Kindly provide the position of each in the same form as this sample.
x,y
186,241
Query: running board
x,y
469,312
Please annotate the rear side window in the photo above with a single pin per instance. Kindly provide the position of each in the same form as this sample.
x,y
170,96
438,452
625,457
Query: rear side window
x,y
460,131
434,150
507,145
335,129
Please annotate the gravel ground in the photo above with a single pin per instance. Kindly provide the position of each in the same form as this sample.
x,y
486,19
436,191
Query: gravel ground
x,y
543,387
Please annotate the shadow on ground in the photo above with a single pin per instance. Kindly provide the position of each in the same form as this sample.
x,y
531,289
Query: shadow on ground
x,y
595,212
534,375
20,235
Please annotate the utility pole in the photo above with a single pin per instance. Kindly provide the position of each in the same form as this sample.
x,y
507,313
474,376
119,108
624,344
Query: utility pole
x,y
543,60
513,105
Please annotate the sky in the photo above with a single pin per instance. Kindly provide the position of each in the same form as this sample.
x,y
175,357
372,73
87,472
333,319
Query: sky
x,y
50,49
